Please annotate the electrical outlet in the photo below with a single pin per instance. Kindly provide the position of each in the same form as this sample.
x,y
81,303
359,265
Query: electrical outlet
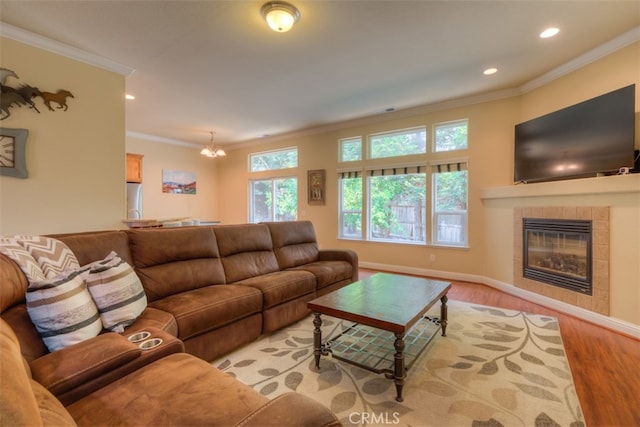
x,y
432,257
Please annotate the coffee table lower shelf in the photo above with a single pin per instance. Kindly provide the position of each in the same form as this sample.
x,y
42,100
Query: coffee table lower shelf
x,y
377,350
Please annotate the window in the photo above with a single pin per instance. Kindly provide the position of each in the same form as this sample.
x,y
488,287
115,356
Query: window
x,y
351,149
350,205
450,189
402,200
397,206
273,160
398,143
274,199
450,136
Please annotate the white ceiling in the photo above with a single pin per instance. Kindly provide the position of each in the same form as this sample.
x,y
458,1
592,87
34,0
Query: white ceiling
x,y
205,66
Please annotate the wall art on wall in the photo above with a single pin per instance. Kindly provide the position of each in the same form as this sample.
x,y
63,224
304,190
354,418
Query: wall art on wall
x,y
13,144
316,184
178,182
23,94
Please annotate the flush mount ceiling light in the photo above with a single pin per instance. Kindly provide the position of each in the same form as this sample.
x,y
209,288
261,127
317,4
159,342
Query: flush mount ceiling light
x,y
549,32
212,150
280,15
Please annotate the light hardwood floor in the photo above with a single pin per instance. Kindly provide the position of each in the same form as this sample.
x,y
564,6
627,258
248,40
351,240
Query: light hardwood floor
x,y
605,364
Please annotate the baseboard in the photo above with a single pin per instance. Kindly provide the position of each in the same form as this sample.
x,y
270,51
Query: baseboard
x,y
617,325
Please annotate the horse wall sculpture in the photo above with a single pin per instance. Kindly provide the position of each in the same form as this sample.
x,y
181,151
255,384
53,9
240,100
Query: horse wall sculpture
x,y
59,98
7,100
4,73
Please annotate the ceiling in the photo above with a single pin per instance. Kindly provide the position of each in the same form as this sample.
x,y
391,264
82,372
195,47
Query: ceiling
x,y
204,66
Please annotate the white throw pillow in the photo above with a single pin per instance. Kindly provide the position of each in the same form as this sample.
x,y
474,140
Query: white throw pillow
x,y
117,291
62,310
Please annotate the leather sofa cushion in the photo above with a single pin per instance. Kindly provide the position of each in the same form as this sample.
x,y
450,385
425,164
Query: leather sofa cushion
x,y
246,251
151,246
171,261
24,401
94,246
294,243
209,308
329,272
282,286
14,284
178,390
154,318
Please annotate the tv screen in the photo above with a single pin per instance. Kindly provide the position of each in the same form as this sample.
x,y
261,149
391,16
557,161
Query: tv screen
x,y
594,136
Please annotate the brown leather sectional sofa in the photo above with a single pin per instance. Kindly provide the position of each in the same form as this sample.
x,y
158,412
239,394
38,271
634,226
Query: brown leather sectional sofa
x,y
210,290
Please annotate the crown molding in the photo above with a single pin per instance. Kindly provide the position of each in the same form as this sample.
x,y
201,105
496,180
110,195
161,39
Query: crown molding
x,y
45,43
161,139
623,40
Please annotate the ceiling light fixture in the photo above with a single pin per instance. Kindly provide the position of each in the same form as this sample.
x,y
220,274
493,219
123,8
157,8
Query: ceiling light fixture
x,y
490,71
549,32
280,15
212,150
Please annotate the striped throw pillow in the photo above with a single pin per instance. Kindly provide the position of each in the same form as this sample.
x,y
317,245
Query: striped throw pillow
x,y
62,310
117,291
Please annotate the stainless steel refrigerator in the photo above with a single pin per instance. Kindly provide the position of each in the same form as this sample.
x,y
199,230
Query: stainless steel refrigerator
x,y
134,200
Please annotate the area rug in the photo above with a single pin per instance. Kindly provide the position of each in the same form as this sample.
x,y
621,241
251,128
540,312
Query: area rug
x,y
495,367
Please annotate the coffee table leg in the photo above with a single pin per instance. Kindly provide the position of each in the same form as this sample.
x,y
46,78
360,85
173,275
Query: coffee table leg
x,y
317,338
399,372
443,314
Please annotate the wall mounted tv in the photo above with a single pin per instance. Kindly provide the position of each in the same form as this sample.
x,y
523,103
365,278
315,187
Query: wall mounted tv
x,y
592,137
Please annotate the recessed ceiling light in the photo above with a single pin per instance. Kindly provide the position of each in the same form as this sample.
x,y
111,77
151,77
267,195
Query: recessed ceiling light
x,y
549,32
490,71
129,96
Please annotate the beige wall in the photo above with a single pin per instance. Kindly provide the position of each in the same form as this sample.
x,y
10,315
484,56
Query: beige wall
x,y
490,133
75,158
158,205
490,154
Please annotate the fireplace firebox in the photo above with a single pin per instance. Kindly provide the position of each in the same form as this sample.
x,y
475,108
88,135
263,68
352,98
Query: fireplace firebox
x,y
558,252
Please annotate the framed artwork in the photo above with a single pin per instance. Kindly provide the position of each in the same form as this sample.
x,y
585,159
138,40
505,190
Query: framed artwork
x,y
13,143
178,182
316,184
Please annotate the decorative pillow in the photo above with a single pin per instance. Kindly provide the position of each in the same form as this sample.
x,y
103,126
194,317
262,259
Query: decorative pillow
x,y
53,256
62,310
117,291
11,247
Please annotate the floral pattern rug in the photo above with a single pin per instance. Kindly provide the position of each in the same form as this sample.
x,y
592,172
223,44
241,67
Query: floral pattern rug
x,y
495,367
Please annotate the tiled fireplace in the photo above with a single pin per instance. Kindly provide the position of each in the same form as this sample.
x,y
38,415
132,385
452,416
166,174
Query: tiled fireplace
x,y
563,253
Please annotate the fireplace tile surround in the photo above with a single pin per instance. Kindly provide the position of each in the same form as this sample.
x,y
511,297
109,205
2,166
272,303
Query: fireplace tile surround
x,y
598,302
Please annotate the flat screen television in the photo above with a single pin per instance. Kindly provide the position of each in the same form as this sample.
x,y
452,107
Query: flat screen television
x,y
585,139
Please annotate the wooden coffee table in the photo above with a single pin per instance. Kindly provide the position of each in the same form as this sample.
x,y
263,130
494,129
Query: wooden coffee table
x,y
390,328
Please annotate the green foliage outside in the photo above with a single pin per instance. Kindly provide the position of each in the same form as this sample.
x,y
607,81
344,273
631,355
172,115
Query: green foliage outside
x,y
398,144
351,150
274,160
395,191
451,191
452,136
285,193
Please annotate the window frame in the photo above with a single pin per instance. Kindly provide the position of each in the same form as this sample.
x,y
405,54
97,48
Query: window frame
x,y
273,180
279,150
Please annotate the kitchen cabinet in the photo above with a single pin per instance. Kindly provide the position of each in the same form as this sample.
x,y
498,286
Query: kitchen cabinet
x,y
134,167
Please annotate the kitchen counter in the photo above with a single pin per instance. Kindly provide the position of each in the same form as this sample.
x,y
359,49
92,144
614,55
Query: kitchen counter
x,y
167,222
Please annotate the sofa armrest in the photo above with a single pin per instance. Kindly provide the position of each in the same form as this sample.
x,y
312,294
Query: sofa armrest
x,y
72,366
347,255
291,409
